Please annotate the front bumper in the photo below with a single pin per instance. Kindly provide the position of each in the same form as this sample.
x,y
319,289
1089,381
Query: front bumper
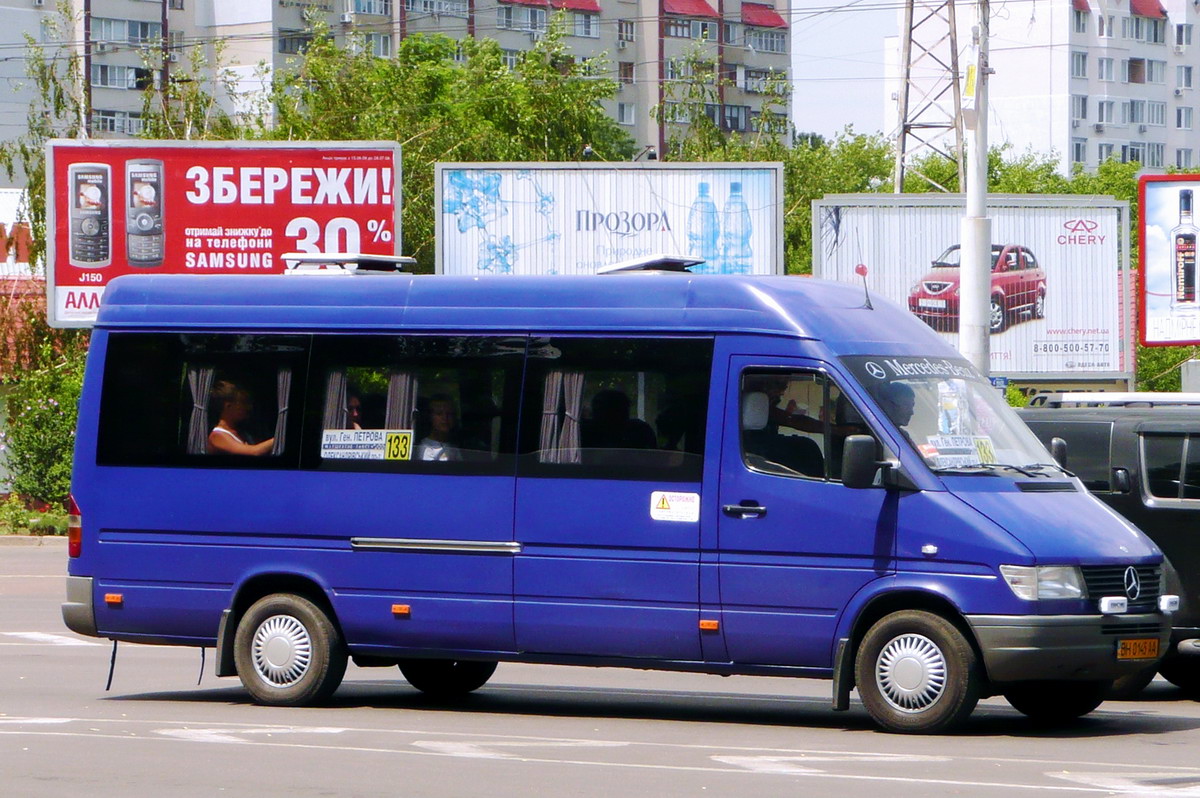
x,y
1019,648
78,612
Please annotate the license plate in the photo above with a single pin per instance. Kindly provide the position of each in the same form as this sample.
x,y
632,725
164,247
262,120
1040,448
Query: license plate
x,y
937,304
1138,648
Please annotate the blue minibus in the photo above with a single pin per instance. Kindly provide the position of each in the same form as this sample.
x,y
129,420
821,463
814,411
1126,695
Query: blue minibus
x,y
726,475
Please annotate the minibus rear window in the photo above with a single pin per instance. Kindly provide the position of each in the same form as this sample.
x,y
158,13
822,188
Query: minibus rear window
x,y
223,401
616,408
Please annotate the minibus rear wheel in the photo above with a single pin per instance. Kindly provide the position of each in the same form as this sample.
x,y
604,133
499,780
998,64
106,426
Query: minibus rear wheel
x,y
447,678
288,652
1056,701
917,673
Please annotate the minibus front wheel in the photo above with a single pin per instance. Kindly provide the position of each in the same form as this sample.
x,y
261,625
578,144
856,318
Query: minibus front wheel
x,y
288,652
917,673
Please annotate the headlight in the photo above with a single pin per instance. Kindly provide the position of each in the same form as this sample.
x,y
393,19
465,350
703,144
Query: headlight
x,y
1043,582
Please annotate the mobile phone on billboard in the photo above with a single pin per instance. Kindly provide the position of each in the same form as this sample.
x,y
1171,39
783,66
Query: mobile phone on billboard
x,y
144,212
90,185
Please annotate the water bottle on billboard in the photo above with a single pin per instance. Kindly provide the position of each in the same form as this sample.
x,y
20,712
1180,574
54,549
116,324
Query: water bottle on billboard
x,y
735,233
703,231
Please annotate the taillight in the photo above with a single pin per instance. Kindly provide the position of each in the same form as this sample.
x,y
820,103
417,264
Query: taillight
x,y
74,528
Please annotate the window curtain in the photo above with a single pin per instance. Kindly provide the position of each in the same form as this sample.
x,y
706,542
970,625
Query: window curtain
x,y
283,389
336,415
558,440
200,381
401,400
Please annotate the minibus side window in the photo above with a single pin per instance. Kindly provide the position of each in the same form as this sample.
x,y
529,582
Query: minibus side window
x,y
794,423
616,408
228,401
436,403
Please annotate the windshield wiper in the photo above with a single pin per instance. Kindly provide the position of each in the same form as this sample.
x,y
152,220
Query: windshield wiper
x,y
982,468
1040,466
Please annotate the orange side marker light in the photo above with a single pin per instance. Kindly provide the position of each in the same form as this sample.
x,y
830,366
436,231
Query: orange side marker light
x,y
710,626
401,610
114,599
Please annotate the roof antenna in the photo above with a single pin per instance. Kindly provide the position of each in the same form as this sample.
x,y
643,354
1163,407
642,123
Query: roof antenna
x,y
861,271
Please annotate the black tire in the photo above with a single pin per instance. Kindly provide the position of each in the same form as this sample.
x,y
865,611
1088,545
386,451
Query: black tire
x,y
1183,672
997,315
288,652
447,678
1056,702
1131,686
917,674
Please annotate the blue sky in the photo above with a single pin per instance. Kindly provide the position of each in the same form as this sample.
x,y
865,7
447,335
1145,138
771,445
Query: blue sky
x,y
837,65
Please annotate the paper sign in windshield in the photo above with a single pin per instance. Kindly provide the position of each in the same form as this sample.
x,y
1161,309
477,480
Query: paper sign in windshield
x,y
366,444
954,451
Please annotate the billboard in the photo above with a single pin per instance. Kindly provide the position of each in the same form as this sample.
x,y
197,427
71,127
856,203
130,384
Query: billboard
x,y
1170,306
1059,285
183,207
568,218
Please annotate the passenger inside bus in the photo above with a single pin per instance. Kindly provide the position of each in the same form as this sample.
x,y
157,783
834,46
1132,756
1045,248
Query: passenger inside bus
x,y
443,425
234,406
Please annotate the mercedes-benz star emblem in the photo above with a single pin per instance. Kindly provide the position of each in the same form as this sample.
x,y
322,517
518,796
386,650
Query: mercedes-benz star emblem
x,y
875,370
1133,584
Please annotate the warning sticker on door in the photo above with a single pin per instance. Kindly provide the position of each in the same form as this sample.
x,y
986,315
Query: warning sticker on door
x,y
668,506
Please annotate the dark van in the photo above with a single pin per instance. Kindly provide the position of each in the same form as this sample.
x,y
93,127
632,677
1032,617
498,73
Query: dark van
x,y
1140,454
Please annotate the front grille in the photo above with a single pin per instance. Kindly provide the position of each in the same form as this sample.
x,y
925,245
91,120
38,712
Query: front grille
x,y
934,287
1109,580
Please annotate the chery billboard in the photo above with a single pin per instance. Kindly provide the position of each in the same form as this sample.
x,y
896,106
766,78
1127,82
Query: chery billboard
x,y
178,207
1059,293
567,218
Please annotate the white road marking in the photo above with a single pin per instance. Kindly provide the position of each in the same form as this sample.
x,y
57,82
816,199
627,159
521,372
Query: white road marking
x,y
36,721
469,746
230,736
477,751
41,638
792,765
1146,783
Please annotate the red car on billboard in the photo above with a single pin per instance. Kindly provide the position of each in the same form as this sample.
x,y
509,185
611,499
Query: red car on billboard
x,y
1018,289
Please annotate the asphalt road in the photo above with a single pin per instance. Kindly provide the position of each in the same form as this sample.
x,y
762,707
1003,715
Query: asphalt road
x,y
532,731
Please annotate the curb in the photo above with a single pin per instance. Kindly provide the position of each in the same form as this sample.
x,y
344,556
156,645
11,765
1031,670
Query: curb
x,y
32,540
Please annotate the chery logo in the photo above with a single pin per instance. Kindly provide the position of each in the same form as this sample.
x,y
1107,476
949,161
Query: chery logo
x,y
1081,232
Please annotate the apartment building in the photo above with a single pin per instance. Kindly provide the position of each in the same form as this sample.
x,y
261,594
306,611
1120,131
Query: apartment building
x,y
1091,80
641,43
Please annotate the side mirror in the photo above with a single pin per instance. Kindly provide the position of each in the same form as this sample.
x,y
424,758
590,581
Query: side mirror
x,y
859,464
1058,450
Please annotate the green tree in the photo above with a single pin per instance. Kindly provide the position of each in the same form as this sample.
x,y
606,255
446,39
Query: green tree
x,y
546,108
42,413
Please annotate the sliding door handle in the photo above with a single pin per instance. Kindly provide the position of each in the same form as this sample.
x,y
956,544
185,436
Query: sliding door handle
x,y
747,509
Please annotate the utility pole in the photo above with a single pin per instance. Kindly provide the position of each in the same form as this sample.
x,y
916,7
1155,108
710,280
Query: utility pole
x,y
928,105
975,272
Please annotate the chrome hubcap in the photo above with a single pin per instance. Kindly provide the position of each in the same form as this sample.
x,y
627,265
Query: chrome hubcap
x,y
997,315
282,650
911,673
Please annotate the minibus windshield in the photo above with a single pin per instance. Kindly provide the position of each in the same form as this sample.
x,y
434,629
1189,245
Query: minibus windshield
x,y
952,415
